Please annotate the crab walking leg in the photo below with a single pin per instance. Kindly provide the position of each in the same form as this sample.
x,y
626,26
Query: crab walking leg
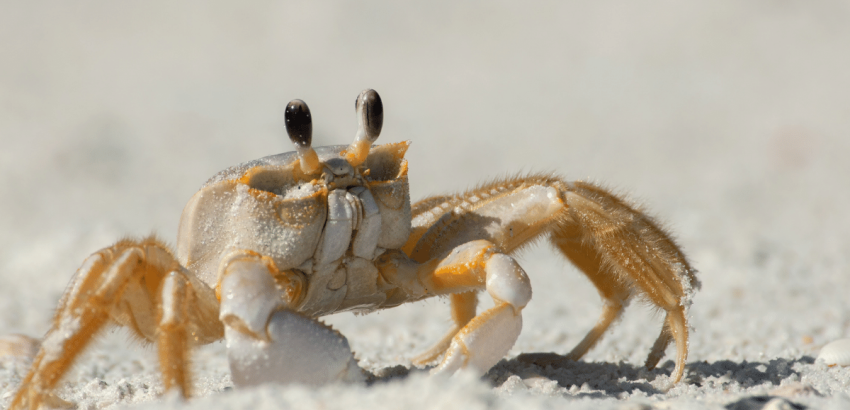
x,y
605,237
172,333
508,214
615,294
463,310
485,340
187,317
659,346
622,251
676,323
83,311
268,342
116,285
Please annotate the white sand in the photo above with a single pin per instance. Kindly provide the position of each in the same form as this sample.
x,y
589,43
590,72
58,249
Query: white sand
x,y
729,120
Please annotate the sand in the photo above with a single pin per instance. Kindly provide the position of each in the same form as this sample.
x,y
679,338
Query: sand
x,y
729,121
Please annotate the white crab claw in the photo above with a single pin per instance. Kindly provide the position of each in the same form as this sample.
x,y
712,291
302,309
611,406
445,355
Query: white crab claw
x,y
267,343
299,350
483,346
488,337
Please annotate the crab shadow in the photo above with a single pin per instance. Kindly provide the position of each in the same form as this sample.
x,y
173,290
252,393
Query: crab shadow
x,y
582,379
613,380
746,374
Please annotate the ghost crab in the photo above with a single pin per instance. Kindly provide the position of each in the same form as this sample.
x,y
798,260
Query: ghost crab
x,y
268,246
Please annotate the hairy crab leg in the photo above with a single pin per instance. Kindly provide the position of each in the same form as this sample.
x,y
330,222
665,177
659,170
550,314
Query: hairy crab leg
x,y
96,296
463,310
621,250
507,214
172,334
568,239
631,248
475,265
483,341
269,342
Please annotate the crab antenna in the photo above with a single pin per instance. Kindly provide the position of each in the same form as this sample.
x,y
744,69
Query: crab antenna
x,y
370,118
299,126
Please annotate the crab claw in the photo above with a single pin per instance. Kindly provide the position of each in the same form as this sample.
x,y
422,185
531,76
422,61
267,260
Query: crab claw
x,y
267,342
370,119
299,126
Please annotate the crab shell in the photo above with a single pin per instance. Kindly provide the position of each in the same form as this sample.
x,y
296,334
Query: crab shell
x,y
269,207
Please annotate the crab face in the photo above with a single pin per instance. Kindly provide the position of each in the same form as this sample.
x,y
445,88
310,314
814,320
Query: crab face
x,y
279,206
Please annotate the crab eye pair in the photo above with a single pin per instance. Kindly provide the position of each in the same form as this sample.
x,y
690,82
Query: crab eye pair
x,y
299,126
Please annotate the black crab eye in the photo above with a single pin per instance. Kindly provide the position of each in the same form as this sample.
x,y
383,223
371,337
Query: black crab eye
x,y
299,124
372,112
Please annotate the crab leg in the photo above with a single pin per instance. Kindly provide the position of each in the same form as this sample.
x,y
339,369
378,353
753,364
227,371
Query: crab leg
x,y
482,340
621,250
487,338
80,315
628,247
507,215
463,310
269,342
101,293
172,334
614,294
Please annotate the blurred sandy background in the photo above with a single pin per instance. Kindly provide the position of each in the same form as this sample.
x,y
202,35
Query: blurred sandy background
x,y
730,120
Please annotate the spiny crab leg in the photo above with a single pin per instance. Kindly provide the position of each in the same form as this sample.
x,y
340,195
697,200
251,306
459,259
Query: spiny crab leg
x,y
621,250
485,339
628,243
463,310
168,307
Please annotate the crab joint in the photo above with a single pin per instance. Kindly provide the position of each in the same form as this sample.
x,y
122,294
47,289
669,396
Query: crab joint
x,y
299,126
370,119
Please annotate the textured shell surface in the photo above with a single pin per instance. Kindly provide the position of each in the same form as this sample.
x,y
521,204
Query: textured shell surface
x,y
282,159
262,206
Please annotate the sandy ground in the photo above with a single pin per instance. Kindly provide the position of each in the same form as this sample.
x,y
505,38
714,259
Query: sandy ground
x,y
729,120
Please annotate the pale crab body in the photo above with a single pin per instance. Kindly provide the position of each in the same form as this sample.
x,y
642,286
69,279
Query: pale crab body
x,y
266,247
326,232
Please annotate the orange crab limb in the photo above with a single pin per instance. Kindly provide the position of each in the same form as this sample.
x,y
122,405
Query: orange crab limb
x,y
621,250
120,285
483,339
463,310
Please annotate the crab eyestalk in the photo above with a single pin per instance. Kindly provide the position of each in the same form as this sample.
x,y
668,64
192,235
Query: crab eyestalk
x,y
370,118
299,126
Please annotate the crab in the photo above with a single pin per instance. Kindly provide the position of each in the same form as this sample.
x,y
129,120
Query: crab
x,y
267,247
